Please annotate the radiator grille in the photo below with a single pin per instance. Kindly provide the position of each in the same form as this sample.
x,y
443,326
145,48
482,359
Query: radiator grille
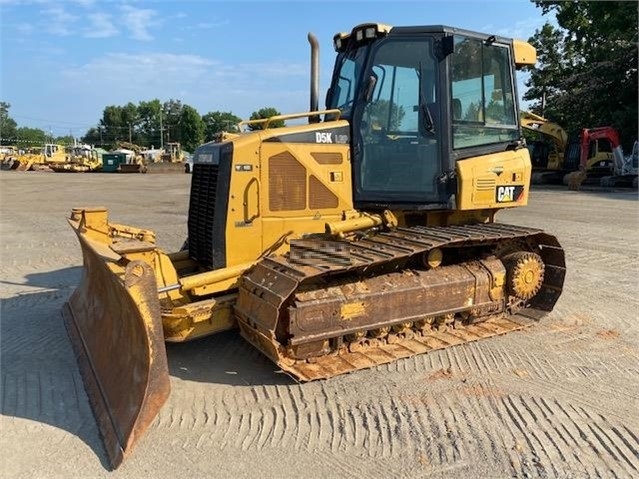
x,y
484,184
327,158
320,196
202,212
286,183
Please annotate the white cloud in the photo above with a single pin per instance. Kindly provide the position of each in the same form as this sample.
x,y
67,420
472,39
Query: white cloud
x,y
139,72
101,26
212,24
24,28
204,83
58,21
523,29
139,21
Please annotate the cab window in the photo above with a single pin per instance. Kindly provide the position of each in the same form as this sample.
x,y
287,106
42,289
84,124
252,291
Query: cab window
x,y
483,100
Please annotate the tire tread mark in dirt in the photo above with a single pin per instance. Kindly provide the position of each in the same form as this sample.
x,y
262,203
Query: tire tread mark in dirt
x,y
517,423
550,430
487,407
233,425
585,441
614,444
280,418
332,418
299,408
447,448
535,428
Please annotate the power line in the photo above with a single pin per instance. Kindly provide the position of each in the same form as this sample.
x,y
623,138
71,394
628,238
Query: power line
x,y
48,122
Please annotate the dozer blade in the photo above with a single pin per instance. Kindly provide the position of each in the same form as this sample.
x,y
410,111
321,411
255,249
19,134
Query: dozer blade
x,y
115,327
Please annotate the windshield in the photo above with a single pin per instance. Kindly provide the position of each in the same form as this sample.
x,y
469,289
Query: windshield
x,y
348,69
483,95
395,123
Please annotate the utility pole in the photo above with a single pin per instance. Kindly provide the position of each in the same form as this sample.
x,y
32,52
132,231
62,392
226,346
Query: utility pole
x,y
161,133
130,134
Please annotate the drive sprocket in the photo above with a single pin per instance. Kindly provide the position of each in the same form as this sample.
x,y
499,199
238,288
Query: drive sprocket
x,y
525,274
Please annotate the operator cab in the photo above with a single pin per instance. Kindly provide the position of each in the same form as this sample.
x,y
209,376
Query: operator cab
x,y
418,99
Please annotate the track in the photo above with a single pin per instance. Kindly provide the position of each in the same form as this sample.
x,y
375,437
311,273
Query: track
x,y
558,400
275,295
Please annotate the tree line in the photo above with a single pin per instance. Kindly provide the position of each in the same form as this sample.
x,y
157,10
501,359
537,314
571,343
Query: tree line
x,y
152,123
148,124
586,72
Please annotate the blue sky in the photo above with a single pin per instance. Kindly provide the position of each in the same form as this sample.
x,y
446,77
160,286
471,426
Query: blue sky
x,y
63,61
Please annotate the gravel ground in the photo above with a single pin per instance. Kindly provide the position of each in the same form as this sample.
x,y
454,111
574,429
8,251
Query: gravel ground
x,y
557,400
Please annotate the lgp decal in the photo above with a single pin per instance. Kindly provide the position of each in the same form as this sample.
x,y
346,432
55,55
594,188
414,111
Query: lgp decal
x,y
509,194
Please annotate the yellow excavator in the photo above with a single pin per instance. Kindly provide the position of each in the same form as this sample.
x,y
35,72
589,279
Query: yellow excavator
x,y
554,155
365,236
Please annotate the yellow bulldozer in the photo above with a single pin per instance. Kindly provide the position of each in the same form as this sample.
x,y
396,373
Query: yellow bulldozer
x,y
21,159
365,236
79,159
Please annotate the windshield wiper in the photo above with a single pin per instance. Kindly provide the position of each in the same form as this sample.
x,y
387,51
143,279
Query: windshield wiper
x,y
427,118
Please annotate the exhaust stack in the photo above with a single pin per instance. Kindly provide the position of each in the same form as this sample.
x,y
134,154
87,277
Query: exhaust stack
x,y
312,39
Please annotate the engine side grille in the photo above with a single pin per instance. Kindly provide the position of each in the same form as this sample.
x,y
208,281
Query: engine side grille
x,y
320,196
327,158
202,212
485,184
287,183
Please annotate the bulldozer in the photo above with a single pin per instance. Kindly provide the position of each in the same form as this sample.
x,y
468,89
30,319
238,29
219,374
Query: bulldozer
x,y
364,236
79,159
171,160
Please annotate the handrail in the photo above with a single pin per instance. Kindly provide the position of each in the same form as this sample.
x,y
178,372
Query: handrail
x,y
289,116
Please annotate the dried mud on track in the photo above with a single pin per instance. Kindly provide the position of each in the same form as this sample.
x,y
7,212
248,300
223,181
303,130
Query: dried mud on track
x,y
557,400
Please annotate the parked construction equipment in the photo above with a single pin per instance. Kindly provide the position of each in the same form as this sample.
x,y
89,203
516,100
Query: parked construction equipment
x,y
366,236
171,160
79,159
625,170
554,155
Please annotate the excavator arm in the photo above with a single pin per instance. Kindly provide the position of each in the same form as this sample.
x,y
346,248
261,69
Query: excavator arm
x,y
549,129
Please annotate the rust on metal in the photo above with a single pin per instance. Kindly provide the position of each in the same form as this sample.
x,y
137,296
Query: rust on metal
x,y
335,306
114,324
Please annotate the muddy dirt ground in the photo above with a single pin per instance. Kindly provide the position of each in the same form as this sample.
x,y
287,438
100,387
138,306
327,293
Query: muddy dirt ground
x,y
557,400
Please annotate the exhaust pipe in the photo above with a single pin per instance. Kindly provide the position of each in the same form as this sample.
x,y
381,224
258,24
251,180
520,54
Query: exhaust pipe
x,y
312,39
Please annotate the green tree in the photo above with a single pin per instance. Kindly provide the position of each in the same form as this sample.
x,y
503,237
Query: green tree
x,y
592,81
31,136
171,114
379,117
130,120
114,124
149,114
8,126
217,121
191,128
64,140
265,113
553,60
92,137
473,112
